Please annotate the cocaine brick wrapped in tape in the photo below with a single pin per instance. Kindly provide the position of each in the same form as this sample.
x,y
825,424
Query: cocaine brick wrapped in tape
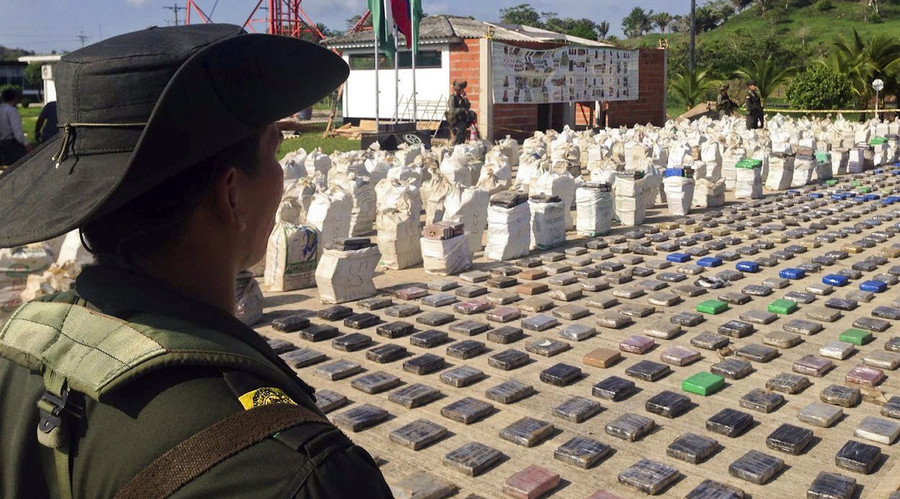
x,y
441,231
508,199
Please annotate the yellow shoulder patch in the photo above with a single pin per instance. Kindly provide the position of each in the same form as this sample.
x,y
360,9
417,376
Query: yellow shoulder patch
x,y
264,396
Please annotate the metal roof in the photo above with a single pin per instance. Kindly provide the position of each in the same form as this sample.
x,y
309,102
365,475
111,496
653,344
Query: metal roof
x,y
453,29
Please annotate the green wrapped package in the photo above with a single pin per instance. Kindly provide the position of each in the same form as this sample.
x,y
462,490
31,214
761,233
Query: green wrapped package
x,y
783,307
856,337
703,383
712,307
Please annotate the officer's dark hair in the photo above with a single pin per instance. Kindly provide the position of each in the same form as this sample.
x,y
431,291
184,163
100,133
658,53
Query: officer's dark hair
x,y
9,94
148,224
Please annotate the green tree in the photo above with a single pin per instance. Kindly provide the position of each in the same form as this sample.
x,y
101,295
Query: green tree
x,y
603,29
706,18
864,60
691,86
523,14
819,87
33,78
637,22
740,5
662,20
585,28
767,74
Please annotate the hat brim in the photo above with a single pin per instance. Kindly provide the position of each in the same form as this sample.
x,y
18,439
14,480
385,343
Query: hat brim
x,y
220,95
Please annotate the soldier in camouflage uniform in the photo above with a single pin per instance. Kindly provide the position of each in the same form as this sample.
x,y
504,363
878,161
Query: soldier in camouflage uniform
x,y
724,105
754,108
458,113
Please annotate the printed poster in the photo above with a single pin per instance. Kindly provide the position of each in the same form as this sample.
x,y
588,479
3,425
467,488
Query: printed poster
x,y
573,73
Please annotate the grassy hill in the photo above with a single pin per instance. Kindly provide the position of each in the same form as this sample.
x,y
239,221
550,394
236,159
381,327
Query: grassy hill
x,y
795,36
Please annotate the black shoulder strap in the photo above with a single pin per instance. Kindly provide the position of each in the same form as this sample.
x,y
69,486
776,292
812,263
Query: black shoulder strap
x,y
193,457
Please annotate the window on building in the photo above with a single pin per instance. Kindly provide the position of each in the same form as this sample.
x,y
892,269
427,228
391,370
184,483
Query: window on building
x,y
425,59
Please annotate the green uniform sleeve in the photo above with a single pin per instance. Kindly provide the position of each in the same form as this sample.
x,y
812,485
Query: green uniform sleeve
x,y
348,473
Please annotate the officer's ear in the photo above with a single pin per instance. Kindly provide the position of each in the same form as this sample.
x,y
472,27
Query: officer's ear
x,y
226,198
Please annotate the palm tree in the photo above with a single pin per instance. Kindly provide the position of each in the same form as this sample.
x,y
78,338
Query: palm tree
x,y
767,75
691,86
603,29
862,61
662,20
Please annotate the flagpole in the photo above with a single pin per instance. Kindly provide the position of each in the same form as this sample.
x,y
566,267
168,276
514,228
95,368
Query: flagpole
x,y
377,116
396,79
415,114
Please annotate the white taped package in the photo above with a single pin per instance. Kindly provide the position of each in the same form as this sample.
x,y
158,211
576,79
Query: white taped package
x,y
862,135
629,200
709,193
594,211
398,233
748,183
317,161
455,168
839,160
511,148
679,194
447,257
856,161
781,173
508,232
344,276
729,170
469,206
804,166
292,164
548,224
556,184
291,253
329,213
248,306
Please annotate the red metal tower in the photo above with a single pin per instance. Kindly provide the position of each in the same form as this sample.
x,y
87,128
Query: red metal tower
x,y
281,17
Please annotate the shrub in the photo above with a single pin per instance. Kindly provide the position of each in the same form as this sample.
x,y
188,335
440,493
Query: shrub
x,y
25,102
824,5
819,88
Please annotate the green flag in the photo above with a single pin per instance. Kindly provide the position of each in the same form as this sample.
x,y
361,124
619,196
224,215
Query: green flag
x,y
383,33
415,17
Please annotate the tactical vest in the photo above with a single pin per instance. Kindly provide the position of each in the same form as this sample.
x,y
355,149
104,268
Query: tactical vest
x,y
78,349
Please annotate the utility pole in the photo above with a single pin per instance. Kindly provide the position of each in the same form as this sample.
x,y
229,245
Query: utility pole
x,y
175,8
83,38
693,35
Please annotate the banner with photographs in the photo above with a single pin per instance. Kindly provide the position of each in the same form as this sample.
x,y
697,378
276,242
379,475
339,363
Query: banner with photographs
x,y
565,74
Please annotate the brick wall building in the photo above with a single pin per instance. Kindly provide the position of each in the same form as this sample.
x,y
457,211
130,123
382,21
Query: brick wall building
x,y
464,45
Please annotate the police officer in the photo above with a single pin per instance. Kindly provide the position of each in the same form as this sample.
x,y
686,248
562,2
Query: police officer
x,y
458,113
754,108
724,105
140,382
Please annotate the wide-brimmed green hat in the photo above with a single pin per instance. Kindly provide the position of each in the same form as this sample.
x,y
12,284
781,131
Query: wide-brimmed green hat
x,y
137,109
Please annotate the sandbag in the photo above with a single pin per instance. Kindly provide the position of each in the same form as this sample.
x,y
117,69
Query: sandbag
x,y
317,161
679,194
510,147
291,252
434,193
446,257
468,205
456,169
344,276
398,227
508,233
293,164
16,264
329,213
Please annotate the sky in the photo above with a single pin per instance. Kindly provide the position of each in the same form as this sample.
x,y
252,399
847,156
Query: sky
x,y
46,25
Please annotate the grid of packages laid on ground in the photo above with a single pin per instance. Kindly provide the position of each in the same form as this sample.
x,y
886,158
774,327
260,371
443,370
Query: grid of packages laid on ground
x,y
744,350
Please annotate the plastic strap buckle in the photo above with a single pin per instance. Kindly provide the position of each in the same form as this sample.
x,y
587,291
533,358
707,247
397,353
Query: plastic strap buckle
x,y
50,425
